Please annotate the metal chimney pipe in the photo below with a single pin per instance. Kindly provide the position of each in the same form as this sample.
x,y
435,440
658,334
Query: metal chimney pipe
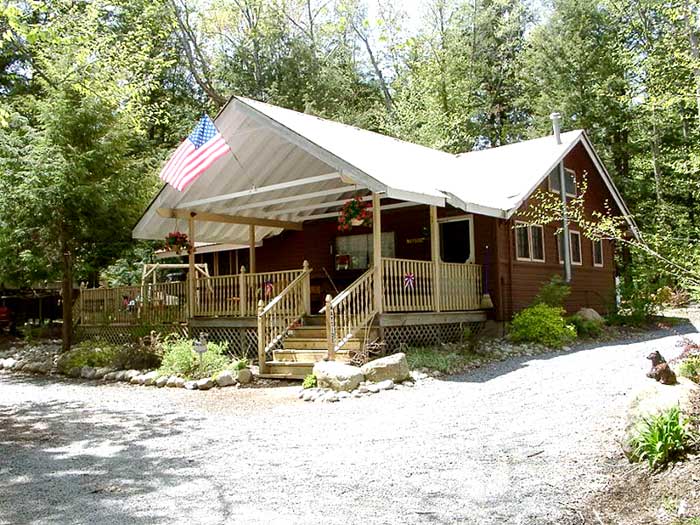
x,y
556,126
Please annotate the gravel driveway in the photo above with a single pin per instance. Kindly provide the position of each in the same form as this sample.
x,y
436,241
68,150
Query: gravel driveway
x,y
520,441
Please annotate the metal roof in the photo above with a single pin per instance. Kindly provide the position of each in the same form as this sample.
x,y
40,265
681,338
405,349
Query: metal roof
x,y
294,167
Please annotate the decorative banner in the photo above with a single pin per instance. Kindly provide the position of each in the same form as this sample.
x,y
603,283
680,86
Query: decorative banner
x,y
269,289
409,281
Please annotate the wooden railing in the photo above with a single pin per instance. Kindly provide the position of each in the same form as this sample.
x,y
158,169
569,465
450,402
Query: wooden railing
x,y
164,303
264,287
349,312
219,296
282,313
460,286
109,305
408,285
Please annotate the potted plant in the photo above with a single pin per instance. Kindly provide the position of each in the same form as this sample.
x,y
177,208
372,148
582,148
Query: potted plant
x,y
176,242
354,212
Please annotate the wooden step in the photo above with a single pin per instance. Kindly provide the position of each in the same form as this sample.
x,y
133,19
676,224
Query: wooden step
x,y
315,320
309,332
288,369
308,356
298,343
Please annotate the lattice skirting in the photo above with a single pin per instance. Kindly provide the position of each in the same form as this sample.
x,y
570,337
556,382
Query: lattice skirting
x,y
120,335
399,337
242,342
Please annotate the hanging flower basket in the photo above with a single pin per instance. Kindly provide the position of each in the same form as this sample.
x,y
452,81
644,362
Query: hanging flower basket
x,y
176,242
355,212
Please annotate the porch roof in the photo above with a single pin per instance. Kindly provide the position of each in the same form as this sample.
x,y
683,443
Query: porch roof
x,y
292,167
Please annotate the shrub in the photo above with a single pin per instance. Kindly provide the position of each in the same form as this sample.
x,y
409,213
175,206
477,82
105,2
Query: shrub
x,y
541,324
433,358
309,381
240,364
661,438
690,368
181,360
99,353
554,293
585,327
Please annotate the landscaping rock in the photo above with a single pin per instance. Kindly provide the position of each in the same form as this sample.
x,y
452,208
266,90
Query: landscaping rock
x,y
244,376
101,372
589,314
129,374
225,378
387,384
9,363
394,367
372,389
191,385
137,379
110,376
87,372
205,384
343,395
161,381
74,372
150,378
175,382
338,376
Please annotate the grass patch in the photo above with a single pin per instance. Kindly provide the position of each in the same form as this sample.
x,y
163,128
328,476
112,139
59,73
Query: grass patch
x,y
661,438
443,360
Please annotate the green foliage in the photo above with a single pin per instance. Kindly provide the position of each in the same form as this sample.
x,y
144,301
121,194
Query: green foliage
x,y
181,360
240,364
541,324
435,358
100,353
661,438
309,381
553,293
690,368
585,327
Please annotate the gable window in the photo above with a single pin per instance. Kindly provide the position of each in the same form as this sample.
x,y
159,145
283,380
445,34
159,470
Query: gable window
x,y
597,252
529,242
457,239
575,242
354,252
570,180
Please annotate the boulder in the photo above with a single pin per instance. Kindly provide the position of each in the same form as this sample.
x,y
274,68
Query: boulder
x,y
589,314
74,372
337,376
110,376
387,384
150,378
161,381
394,367
205,384
225,378
87,372
244,376
9,363
137,379
129,374
191,385
101,372
172,380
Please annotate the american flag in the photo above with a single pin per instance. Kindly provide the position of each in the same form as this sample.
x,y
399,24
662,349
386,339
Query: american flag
x,y
196,153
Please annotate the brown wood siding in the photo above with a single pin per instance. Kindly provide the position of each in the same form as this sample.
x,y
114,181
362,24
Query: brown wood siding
x,y
591,286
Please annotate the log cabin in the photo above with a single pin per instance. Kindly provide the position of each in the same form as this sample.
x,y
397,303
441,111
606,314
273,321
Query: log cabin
x,y
445,248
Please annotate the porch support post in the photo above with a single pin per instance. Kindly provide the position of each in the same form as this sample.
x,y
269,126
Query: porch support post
x,y
251,266
377,253
192,273
307,288
435,256
242,292
261,338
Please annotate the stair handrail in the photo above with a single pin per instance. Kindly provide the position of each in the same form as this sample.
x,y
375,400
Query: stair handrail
x,y
279,315
349,312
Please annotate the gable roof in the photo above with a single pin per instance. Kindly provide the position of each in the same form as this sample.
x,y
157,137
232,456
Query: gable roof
x,y
274,146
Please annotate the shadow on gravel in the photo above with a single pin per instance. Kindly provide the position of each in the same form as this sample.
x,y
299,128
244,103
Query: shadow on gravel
x,y
62,462
489,372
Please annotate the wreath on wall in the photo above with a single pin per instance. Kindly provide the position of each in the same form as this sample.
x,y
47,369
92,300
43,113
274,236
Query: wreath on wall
x,y
177,241
354,212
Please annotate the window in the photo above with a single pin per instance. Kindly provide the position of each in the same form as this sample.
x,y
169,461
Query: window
x,y
597,252
354,252
570,180
457,239
529,242
575,241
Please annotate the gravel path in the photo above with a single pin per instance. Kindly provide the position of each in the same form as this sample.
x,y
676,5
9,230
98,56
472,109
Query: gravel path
x,y
521,441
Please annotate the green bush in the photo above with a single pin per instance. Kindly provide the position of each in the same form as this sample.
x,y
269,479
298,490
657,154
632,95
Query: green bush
x,y
661,438
554,293
690,368
541,324
99,353
309,381
585,327
240,364
181,360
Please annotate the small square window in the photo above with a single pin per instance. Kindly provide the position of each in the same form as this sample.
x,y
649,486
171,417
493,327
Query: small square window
x,y
598,252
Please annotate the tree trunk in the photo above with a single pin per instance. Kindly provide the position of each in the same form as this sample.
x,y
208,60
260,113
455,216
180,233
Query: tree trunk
x,y
67,293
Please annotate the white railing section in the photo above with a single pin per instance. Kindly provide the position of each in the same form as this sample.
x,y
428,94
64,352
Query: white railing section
x,y
349,312
281,314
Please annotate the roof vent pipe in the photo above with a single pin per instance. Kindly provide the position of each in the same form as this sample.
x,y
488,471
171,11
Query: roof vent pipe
x,y
556,126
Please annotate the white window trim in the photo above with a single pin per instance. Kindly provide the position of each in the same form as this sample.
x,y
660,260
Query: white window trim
x,y
529,242
561,259
459,218
573,174
602,253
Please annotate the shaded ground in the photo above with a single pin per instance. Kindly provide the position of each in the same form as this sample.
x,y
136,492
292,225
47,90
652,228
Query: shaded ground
x,y
526,441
